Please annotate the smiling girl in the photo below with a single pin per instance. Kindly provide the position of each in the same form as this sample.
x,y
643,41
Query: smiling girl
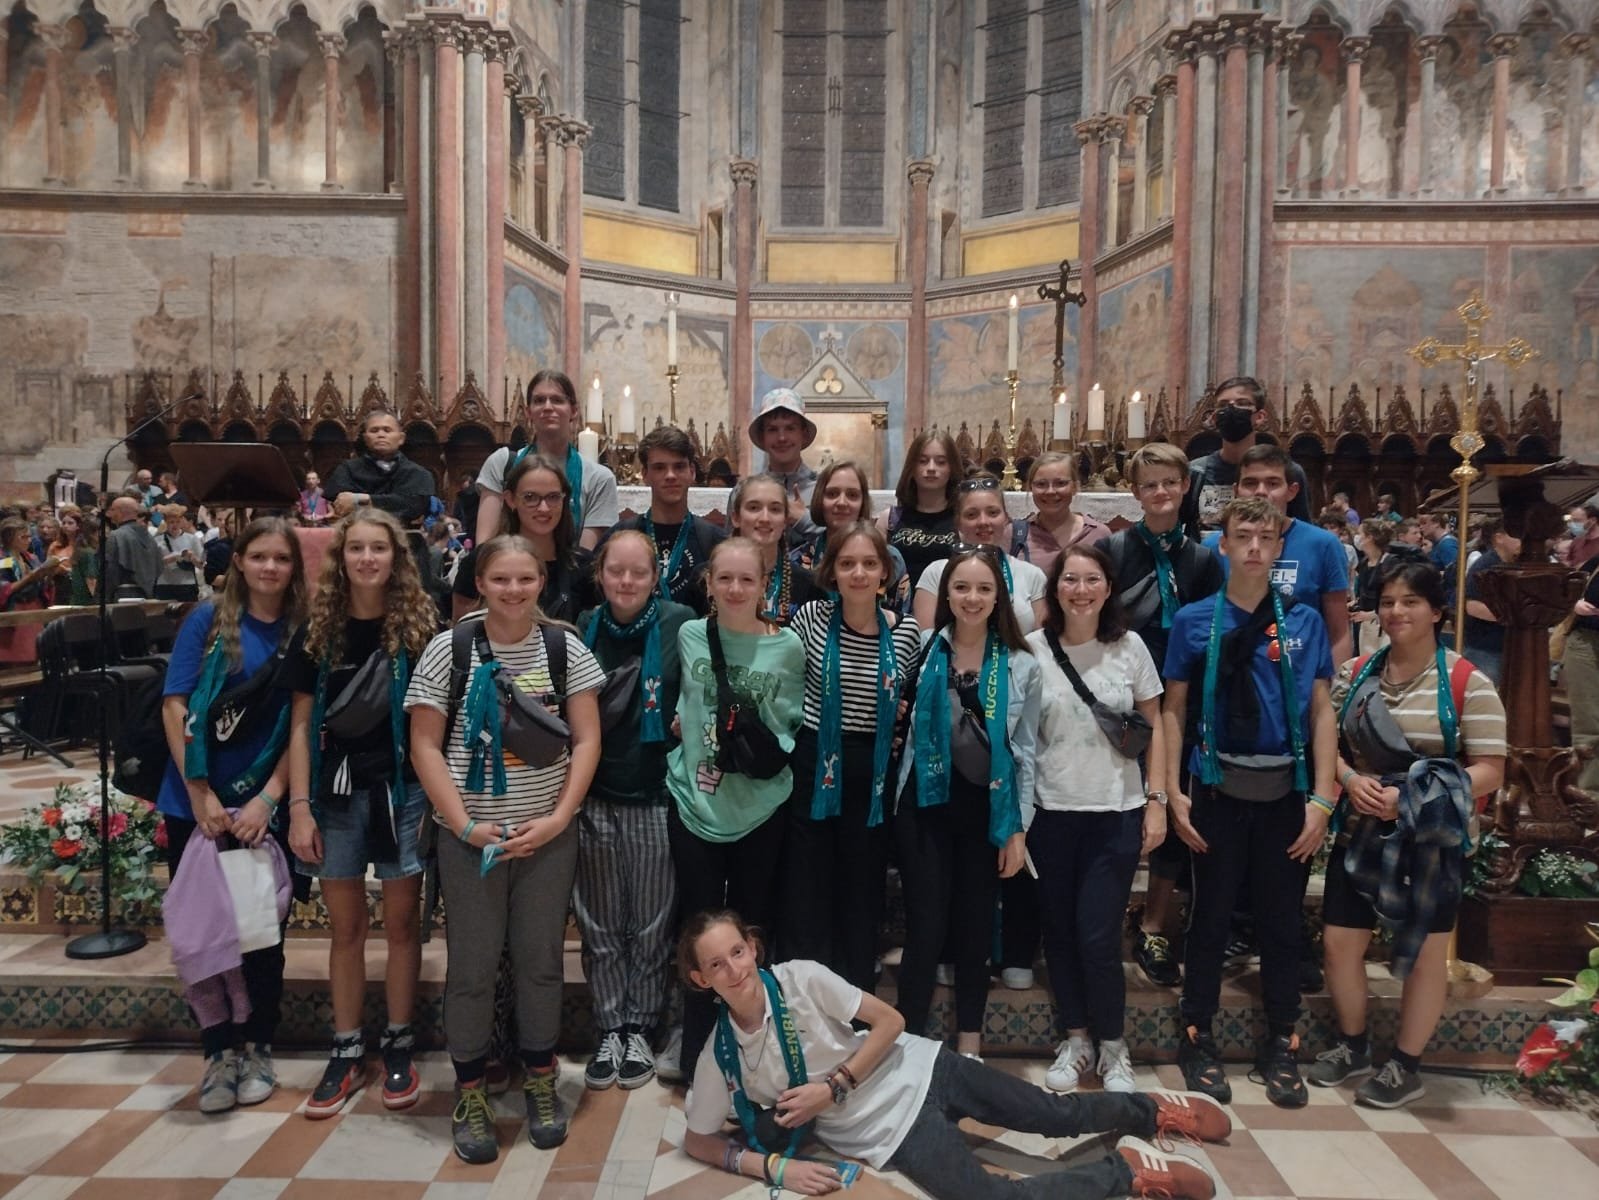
x,y
921,525
842,498
981,520
1054,527
759,512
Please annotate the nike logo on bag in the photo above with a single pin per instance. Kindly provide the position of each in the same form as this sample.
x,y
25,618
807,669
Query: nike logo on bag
x,y
227,723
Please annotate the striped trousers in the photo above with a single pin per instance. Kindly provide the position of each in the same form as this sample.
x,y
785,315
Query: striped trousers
x,y
625,903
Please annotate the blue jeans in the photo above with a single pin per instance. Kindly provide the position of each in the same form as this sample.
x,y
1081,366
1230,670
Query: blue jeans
x,y
346,837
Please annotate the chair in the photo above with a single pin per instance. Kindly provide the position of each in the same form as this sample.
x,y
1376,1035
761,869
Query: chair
x,y
129,638
70,651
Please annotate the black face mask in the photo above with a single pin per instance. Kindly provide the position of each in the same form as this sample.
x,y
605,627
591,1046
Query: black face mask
x,y
1234,424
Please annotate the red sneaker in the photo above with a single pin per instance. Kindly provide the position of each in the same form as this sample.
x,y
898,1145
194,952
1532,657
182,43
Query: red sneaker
x,y
341,1080
1160,1176
1189,1116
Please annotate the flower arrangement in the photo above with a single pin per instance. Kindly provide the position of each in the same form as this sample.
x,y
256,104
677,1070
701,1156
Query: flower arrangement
x,y
1560,1061
1551,873
63,837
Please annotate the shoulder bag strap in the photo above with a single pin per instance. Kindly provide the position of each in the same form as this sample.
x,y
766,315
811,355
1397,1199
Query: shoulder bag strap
x,y
724,691
1065,664
555,657
460,671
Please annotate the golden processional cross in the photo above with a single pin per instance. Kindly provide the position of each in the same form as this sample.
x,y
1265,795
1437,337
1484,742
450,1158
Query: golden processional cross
x,y
1467,442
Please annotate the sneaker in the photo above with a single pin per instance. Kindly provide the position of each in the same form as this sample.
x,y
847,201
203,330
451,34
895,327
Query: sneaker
x,y
341,1079
1074,1058
1191,1116
638,1064
1200,1062
1392,1087
669,1062
607,1061
546,1115
402,1084
1156,961
1018,979
257,1078
1340,1062
1277,1064
219,1089
1115,1067
1241,949
945,974
1167,1176
472,1127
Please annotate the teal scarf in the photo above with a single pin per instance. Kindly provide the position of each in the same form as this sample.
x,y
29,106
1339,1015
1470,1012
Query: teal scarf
x,y
827,793
1209,756
196,742
574,477
399,680
1163,546
647,625
932,726
481,729
674,560
726,1050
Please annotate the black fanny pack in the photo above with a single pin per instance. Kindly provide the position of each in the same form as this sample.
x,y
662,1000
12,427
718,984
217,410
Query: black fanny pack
x,y
1127,732
618,692
970,751
241,707
528,729
362,702
744,745
1259,778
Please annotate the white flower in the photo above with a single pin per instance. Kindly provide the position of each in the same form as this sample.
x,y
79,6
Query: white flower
x,y
73,833
74,813
1568,1032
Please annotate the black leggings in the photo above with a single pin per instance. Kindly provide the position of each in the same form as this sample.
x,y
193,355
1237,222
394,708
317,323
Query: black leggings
x,y
262,969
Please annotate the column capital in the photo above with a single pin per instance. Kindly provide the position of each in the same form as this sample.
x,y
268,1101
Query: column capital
x,y
1183,47
1142,105
1087,131
550,125
574,132
1354,49
497,46
262,43
56,38
122,40
1112,129
1237,30
1262,34
1427,47
1165,86
394,41
919,171
512,83
478,38
1286,42
332,44
193,41
1576,44
444,29
743,172
1503,45
531,108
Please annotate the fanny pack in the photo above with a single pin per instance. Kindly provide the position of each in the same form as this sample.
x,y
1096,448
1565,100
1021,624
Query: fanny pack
x,y
363,701
1259,778
240,707
528,729
1127,732
618,692
970,751
744,745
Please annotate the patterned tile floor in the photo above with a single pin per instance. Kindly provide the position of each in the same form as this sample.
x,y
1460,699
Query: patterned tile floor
x,y
124,1126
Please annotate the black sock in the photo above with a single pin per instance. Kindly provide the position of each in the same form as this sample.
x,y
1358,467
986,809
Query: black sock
x,y
1410,1062
1360,1043
470,1071
538,1060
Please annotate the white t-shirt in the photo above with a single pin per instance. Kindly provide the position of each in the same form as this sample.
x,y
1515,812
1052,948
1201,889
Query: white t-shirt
x,y
1077,768
872,1123
599,503
1027,580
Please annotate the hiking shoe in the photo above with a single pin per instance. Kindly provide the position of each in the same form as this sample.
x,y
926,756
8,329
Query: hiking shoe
x,y
1115,1066
1074,1058
219,1089
1392,1087
1018,979
341,1079
638,1064
1200,1063
1277,1064
472,1127
1337,1063
606,1064
1166,1176
402,1084
257,1077
1156,960
1191,1116
546,1115
669,1062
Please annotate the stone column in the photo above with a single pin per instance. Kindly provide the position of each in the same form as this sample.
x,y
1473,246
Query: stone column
x,y
447,210
1427,51
1230,215
5,97
550,126
393,111
574,136
413,259
122,43
422,167
55,39
1354,51
1576,48
1502,46
1202,247
1183,49
194,42
332,45
920,173
497,147
1111,131
474,205
1142,106
263,44
1287,49
1263,134
1088,236
1166,93
743,172
531,111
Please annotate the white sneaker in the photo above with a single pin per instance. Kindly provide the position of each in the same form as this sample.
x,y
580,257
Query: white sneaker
x,y
669,1062
1115,1067
1073,1060
945,974
257,1078
219,1089
1018,979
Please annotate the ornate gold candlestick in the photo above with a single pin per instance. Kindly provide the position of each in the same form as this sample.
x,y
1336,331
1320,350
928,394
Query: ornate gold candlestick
x,y
1010,481
671,387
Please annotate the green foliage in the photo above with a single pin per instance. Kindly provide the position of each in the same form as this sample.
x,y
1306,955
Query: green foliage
x,y
63,837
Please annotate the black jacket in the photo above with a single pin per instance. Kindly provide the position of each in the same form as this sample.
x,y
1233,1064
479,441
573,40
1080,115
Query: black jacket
x,y
404,490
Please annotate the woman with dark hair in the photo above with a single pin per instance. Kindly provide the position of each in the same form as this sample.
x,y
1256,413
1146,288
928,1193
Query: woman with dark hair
x,y
1054,527
1420,733
921,525
76,542
26,582
840,498
1096,813
966,775
981,519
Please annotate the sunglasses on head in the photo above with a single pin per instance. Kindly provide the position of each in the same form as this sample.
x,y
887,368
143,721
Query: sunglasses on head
x,y
983,483
977,550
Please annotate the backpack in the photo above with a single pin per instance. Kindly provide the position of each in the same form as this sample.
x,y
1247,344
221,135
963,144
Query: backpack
x,y
1458,675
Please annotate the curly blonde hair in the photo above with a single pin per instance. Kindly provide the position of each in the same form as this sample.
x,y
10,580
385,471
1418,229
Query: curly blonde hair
x,y
410,616
235,596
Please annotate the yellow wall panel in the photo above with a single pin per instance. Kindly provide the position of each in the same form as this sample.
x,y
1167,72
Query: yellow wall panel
x,y
832,262
1031,245
634,243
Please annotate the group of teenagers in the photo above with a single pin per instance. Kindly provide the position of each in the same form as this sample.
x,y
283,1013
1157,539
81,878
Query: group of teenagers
x,y
710,745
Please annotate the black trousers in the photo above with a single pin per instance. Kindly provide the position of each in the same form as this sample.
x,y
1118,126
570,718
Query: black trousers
x,y
1248,849
742,875
950,875
834,868
262,969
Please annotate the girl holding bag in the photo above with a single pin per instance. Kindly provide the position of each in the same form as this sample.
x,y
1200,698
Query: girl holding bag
x,y
505,776
226,713
353,799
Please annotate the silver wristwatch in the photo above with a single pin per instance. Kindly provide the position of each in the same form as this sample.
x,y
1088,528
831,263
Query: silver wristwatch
x,y
1157,798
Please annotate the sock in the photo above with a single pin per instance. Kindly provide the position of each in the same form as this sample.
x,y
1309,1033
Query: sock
x,y
348,1044
1410,1062
398,1037
470,1073
538,1060
1360,1043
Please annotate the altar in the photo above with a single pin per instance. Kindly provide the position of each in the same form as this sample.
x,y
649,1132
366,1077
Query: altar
x,y
1103,506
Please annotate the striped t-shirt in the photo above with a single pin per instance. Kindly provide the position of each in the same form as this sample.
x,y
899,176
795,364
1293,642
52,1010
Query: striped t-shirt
x,y
1414,708
857,664
530,792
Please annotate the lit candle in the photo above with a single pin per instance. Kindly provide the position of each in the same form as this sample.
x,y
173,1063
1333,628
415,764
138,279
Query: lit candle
x,y
628,421
671,329
1010,346
588,445
1136,427
596,413
1096,409
1063,418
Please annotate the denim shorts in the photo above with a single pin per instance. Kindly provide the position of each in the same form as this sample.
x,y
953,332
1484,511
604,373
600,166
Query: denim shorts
x,y
345,852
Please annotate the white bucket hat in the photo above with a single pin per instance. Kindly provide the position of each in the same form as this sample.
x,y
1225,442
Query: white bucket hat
x,y
781,399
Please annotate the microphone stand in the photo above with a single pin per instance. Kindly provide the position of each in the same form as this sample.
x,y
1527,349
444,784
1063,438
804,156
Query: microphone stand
x,y
109,942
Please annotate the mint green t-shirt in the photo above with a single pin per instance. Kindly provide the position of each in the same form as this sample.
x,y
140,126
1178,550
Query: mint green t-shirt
x,y
767,669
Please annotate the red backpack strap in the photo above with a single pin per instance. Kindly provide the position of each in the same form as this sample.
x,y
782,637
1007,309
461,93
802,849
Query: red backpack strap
x,y
1459,674
1358,665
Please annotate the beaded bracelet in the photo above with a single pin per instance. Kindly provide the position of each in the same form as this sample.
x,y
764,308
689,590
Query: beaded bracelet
x,y
466,834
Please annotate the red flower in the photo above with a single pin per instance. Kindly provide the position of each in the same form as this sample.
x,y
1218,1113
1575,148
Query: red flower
x,y
66,849
51,817
149,805
118,824
1541,1052
161,834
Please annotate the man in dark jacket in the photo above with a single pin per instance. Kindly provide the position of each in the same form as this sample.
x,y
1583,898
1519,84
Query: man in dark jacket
x,y
381,476
131,555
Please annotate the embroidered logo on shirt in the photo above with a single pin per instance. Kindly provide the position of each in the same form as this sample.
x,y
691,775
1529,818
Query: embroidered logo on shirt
x,y
228,722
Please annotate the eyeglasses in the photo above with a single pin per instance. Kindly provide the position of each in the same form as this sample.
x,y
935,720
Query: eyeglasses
x,y
542,500
1086,582
983,483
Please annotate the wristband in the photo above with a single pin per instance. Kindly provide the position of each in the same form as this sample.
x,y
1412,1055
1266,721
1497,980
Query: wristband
x,y
1320,802
270,802
1343,780
843,1069
305,800
466,834
777,1176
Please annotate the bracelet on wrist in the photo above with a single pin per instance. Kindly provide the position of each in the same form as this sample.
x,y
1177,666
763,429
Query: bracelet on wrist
x,y
849,1076
767,1167
305,800
271,801
1343,780
466,832
1320,802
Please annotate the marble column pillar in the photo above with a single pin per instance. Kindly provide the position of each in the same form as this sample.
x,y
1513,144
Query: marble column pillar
x,y
393,110
1263,134
1227,286
1142,106
1286,47
1202,248
1183,48
528,215
55,39
1427,52
447,209
411,260
5,99
194,42
550,126
1354,51
422,160
263,44
1089,224
122,43
474,206
1502,46
743,173
919,172
1111,133
1166,94
332,45
1576,48
574,136
497,147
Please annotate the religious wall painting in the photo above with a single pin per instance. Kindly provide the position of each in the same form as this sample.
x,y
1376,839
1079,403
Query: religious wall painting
x,y
1130,350
532,326
349,331
1463,110
966,365
160,123
1555,306
299,160
1315,117
88,103
1385,102
227,105
41,353
1534,112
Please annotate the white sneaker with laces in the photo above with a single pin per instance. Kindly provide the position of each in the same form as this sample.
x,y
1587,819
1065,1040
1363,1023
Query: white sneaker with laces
x,y
1073,1060
1116,1067
219,1089
669,1062
1018,979
257,1078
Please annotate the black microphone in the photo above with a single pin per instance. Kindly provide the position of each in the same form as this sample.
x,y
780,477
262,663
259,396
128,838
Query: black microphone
x,y
105,459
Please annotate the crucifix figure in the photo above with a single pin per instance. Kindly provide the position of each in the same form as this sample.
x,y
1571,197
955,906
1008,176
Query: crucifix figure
x,y
1062,295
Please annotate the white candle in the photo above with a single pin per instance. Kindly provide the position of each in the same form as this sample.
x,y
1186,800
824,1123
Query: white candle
x,y
588,445
596,413
671,329
1136,427
1096,409
627,422
1063,418
1010,345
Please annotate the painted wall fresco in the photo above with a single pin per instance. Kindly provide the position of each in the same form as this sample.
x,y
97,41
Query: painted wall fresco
x,y
966,368
532,326
1133,321
1554,304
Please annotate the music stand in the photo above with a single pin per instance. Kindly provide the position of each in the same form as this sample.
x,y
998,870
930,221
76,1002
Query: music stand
x,y
235,475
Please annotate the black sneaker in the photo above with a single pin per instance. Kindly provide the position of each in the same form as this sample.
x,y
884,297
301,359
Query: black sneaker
x,y
1338,1063
1200,1063
1392,1087
472,1127
604,1067
546,1115
402,1084
1241,948
1155,960
638,1064
341,1079
1277,1064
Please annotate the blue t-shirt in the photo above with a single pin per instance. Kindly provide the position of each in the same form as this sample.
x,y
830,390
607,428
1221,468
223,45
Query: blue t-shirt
x,y
258,641
1305,641
1482,635
1445,552
1313,563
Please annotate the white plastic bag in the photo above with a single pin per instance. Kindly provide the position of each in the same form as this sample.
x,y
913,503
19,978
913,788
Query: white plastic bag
x,y
252,883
